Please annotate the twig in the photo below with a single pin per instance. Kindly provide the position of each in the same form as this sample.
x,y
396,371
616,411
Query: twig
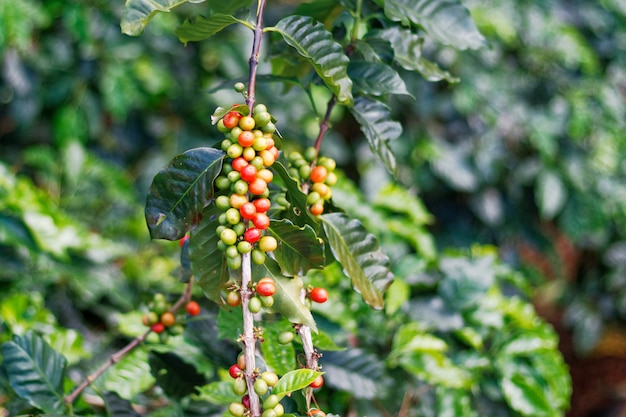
x,y
325,124
119,355
254,56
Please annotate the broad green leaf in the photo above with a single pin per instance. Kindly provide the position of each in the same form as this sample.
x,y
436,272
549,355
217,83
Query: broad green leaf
x,y
35,371
229,323
311,40
376,79
218,392
466,281
355,371
287,299
279,358
400,200
397,295
299,249
201,28
550,194
447,21
129,377
118,407
137,13
294,381
407,52
412,338
360,256
207,261
180,191
378,128
454,403
298,212
525,395
176,377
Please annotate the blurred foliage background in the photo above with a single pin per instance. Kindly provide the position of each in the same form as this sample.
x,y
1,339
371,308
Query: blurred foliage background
x,y
524,153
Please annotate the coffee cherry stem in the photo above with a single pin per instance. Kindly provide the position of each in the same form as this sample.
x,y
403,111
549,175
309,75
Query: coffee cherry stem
x,y
248,337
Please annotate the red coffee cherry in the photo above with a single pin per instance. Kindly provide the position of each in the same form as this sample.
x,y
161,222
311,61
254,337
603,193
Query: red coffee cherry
x,y
319,295
192,308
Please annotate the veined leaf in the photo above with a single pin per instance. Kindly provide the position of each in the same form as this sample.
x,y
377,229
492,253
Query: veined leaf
x,y
407,50
376,79
378,128
207,261
448,21
299,249
287,299
298,212
354,370
35,371
137,13
279,358
218,392
129,376
294,381
201,28
180,191
311,40
360,256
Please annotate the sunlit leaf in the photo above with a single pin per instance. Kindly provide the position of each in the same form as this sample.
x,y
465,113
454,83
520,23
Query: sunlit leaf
x,y
299,249
201,28
448,21
294,381
376,124
35,371
137,13
360,257
288,297
218,392
129,377
298,212
311,40
180,191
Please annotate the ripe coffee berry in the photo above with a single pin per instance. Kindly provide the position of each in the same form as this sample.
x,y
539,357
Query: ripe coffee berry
x,y
262,204
158,328
231,119
192,308
245,400
319,295
266,287
235,371
261,221
248,173
252,235
318,382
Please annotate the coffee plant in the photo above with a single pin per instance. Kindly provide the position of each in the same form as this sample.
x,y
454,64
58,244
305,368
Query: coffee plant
x,y
285,259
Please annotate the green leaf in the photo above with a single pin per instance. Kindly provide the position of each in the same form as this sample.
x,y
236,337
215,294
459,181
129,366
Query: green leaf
x,y
311,40
407,50
447,21
229,323
355,371
525,395
201,28
378,128
376,79
298,212
137,13
180,191
360,256
35,371
550,194
294,381
176,377
466,281
454,403
279,358
218,392
207,261
287,299
118,407
129,377
299,248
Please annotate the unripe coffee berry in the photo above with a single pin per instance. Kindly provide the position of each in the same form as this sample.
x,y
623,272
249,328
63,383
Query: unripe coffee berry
x,y
260,386
254,305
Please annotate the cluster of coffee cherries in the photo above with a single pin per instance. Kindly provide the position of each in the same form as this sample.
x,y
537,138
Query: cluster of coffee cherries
x,y
263,384
263,295
243,182
318,174
162,321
